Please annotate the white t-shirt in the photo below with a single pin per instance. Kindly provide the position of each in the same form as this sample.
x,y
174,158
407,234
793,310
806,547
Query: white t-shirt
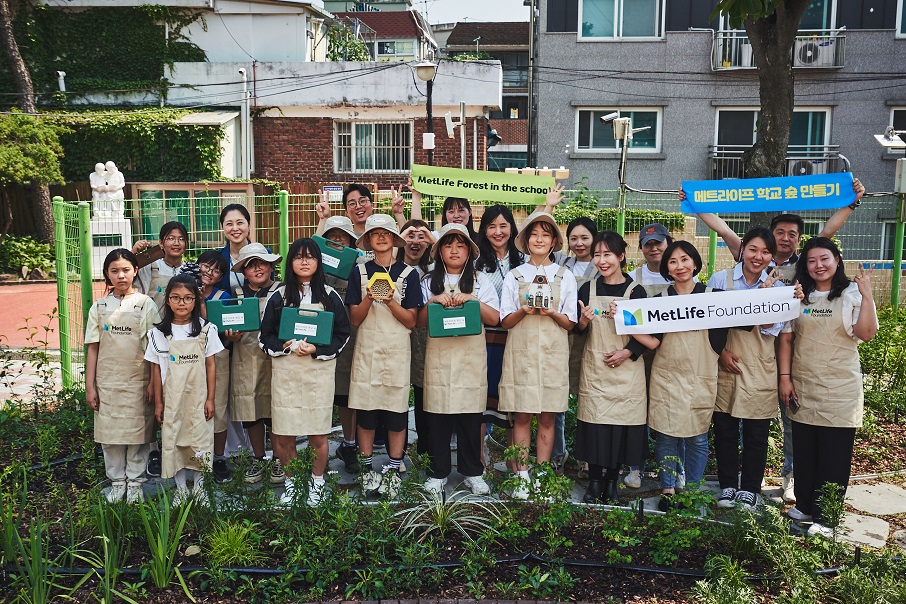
x,y
483,288
158,350
144,273
649,277
509,297
579,269
150,317
852,304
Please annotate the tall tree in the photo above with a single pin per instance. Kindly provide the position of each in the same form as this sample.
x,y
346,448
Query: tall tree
x,y
40,192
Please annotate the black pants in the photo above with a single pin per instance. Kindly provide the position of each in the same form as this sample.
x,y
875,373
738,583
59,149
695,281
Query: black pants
x,y
421,425
468,439
822,455
754,451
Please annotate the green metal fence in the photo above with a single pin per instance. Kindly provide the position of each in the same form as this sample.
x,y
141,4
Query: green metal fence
x,y
870,236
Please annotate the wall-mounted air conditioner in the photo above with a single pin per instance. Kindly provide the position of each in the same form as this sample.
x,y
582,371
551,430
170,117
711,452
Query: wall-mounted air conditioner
x,y
804,167
818,52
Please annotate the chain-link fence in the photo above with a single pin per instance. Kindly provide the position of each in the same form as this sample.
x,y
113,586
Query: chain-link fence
x,y
82,242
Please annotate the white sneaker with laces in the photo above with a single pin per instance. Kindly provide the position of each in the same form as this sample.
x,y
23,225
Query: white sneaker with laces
x,y
820,529
477,485
435,486
200,497
747,500
134,494
797,515
633,480
680,484
521,490
789,496
289,493
181,495
727,498
371,480
316,492
390,482
116,493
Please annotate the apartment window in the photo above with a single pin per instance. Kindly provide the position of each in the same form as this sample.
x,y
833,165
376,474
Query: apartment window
x,y
901,19
740,127
372,146
610,19
819,14
888,239
898,118
393,50
592,135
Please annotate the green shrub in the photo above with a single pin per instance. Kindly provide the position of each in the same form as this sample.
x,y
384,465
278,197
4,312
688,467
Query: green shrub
x,y
16,252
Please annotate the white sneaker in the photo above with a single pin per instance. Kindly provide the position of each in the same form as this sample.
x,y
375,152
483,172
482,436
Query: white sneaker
x,y
820,529
633,480
289,493
680,484
747,499
522,489
789,496
795,514
435,486
134,494
477,485
316,492
390,483
200,497
727,498
403,468
181,495
371,480
116,493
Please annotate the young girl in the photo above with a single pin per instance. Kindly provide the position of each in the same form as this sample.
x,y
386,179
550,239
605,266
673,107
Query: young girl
x,y
116,377
613,400
181,351
379,387
456,388
820,375
683,380
250,388
535,377
153,279
456,210
746,381
302,374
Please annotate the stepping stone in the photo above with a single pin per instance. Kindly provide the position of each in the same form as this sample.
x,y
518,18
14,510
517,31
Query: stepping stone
x,y
899,537
880,499
864,530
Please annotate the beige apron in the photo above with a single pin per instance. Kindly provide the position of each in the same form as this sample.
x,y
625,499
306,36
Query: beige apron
x,y
381,362
157,287
222,391
185,432
577,341
651,289
250,387
826,372
418,340
302,391
535,375
683,384
787,273
615,396
456,373
344,360
753,393
124,418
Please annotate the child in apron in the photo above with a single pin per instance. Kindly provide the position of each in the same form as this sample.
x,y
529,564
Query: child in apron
x,y
580,234
683,380
152,281
339,230
824,398
117,378
613,401
379,383
302,373
746,381
250,396
538,306
456,388
181,351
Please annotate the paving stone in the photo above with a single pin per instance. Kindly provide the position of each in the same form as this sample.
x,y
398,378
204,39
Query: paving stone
x,y
864,530
880,499
899,537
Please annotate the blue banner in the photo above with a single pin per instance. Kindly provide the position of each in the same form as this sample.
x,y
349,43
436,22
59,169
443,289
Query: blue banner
x,y
775,194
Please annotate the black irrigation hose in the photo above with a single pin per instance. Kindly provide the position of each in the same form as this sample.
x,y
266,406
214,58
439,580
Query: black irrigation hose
x,y
56,462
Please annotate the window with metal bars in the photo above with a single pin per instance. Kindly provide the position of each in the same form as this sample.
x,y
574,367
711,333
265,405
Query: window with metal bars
x,y
368,147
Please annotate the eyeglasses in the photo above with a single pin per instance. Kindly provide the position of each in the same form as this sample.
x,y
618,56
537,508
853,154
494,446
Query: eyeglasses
x,y
360,202
210,270
300,257
253,264
181,300
175,239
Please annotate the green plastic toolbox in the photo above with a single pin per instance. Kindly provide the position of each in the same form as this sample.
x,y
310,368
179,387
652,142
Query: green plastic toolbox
x,y
315,326
239,314
462,320
337,259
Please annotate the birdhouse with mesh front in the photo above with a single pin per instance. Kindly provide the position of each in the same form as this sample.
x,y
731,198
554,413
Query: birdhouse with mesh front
x,y
381,286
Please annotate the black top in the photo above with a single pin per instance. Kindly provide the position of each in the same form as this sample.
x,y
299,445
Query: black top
x,y
411,289
272,344
718,336
618,290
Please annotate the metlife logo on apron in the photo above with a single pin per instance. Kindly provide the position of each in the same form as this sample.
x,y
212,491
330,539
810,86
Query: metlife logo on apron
x,y
705,311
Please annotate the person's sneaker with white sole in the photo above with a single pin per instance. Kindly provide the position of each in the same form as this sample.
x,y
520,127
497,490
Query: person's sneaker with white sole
x,y
727,498
477,485
116,493
221,471
435,486
255,471
278,476
316,491
680,483
134,493
633,479
795,514
371,480
181,496
789,495
199,496
558,462
522,489
390,482
747,500
289,493
154,464
820,529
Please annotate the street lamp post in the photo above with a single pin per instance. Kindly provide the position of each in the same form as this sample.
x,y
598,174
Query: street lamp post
x,y
426,70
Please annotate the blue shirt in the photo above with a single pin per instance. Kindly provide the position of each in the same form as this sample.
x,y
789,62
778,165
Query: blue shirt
x,y
719,281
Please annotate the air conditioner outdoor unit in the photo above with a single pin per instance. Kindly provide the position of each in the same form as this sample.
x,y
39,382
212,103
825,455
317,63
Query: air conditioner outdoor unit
x,y
818,52
804,167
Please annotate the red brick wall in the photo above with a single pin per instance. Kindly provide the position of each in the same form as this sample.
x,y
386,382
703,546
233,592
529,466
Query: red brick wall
x,y
513,132
290,149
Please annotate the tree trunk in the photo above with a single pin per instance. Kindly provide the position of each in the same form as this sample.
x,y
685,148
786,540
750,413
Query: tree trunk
x,y
42,210
24,85
772,41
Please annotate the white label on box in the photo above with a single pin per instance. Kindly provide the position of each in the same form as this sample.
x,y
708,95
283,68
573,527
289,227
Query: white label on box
x,y
454,323
331,261
234,318
305,329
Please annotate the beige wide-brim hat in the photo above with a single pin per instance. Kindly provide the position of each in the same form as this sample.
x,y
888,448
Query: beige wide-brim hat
x,y
254,250
379,221
341,223
448,230
526,227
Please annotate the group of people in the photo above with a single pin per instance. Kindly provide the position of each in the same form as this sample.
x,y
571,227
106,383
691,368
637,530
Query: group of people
x,y
548,333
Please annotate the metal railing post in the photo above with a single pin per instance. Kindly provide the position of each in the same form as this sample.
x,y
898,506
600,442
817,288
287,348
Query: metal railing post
x,y
897,268
59,236
85,246
712,251
283,208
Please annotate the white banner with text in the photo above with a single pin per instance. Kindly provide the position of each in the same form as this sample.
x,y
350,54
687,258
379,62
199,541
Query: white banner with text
x,y
705,311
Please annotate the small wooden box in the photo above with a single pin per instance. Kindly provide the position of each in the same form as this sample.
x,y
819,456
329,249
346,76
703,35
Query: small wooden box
x,y
337,259
462,320
381,286
238,314
315,326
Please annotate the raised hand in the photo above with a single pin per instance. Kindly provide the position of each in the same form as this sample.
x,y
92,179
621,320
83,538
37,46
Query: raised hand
x,y
863,280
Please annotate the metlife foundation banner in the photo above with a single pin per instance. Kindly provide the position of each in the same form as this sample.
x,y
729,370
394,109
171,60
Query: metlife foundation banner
x,y
704,311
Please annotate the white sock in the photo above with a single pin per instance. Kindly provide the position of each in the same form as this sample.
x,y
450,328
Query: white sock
x,y
317,479
523,474
180,478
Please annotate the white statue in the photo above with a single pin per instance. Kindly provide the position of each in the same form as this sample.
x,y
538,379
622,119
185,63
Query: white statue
x,y
98,180
107,184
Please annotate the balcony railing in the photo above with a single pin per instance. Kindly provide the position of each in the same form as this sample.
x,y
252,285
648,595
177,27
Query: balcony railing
x,y
813,49
724,161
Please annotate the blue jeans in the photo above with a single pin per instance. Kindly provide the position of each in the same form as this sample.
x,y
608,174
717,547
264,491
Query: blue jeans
x,y
681,455
787,442
693,462
559,434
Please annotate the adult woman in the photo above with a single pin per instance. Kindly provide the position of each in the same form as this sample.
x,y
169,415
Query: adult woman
x,y
825,398
683,379
236,223
746,379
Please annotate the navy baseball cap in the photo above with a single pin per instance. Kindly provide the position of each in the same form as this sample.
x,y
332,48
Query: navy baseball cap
x,y
656,231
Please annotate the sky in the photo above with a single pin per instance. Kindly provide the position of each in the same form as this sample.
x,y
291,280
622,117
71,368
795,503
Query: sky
x,y
454,11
